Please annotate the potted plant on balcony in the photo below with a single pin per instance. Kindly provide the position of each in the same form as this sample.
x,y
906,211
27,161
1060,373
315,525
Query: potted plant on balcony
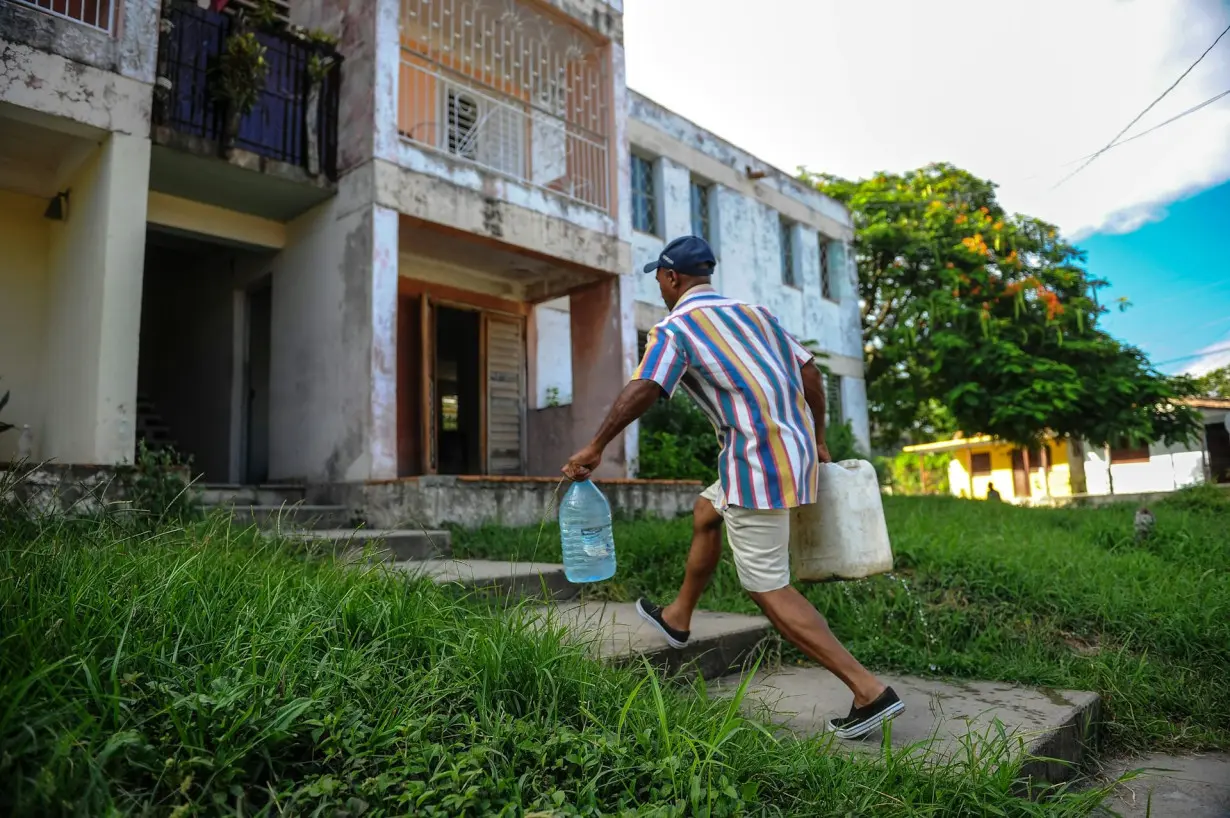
x,y
239,79
318,67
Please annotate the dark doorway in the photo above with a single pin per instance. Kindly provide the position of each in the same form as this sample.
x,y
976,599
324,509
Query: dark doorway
x,y
1217,439
458,392
256,378
1020,475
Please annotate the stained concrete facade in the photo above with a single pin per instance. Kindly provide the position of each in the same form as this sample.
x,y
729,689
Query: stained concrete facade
x,y
460,300
747,202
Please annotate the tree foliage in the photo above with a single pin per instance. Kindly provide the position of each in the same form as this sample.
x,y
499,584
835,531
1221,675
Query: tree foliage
x,y
988,322
1215,384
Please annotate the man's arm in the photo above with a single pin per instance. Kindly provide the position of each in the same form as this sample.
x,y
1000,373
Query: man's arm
x,y
813,393
659,373
635,400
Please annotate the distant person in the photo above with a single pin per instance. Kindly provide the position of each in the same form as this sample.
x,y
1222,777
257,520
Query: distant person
x,y
992,494
765,396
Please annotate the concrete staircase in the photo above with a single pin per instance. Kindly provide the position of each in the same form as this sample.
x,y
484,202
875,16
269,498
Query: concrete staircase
x,y
940,716
282,508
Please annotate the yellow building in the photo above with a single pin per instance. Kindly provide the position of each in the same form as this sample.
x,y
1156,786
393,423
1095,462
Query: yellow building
x,y
980,462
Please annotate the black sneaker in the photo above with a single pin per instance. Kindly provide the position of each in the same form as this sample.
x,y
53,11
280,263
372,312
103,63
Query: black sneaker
x,y
862,720
652,614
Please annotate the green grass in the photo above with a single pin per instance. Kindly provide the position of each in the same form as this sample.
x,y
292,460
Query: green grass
x,y
1062,598
206,671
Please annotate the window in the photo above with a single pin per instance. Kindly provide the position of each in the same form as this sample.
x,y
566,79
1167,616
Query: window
x,y
826,277
462,125
832,400
787,246
1127,453
483,131
644,197
980,463
700,210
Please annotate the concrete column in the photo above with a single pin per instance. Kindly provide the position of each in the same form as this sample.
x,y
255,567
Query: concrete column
x,y
96,266
603,348
333,409
368,38
676,199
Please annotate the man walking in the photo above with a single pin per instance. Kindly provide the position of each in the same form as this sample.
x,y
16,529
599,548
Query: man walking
x,y
765,397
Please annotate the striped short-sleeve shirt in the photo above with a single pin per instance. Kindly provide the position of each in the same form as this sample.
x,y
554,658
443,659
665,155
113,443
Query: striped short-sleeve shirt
x,y
743,370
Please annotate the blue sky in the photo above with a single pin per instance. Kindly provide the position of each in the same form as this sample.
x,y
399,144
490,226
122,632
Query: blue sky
x,y
1176,272
856,88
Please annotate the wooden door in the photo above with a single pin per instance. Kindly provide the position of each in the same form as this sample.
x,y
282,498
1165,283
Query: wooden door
x,y
503,347
428,402
1020,475
409,386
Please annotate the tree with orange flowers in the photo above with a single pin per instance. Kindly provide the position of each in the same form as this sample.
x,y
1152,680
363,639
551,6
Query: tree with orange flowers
x,y
984,321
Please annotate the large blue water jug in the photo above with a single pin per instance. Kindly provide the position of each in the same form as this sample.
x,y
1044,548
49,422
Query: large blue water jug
x,y
585,534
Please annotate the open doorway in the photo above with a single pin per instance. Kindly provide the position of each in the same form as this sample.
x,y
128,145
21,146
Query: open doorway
x,y
1217,439
458,390
257,351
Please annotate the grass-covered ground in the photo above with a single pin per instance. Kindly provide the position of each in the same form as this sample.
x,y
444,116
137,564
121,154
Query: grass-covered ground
x,y
210,672
1062,598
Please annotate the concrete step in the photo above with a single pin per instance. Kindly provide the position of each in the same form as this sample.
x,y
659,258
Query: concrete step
x,y
1196,786
513,581
397,546
721,643
288,518
939,715
230,494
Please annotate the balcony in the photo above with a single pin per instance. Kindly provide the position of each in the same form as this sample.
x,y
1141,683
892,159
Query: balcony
x,y
293,122
510,89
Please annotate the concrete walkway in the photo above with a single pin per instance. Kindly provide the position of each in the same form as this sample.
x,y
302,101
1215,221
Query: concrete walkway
x,y
1195,786
942,718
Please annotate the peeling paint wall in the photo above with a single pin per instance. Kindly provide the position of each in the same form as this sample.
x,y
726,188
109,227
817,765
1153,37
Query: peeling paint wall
x,y
130,49
333,369
745,218
368,38
54,85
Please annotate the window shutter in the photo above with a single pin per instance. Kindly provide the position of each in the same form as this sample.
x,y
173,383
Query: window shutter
x,y
505,394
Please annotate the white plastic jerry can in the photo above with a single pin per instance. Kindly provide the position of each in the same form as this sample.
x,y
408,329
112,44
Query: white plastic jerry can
x,y
843,534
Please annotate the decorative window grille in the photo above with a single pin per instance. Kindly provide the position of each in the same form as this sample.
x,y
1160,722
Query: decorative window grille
x,y
539,88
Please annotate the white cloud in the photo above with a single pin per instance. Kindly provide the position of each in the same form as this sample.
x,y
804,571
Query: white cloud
x,y
1214,356
1013,92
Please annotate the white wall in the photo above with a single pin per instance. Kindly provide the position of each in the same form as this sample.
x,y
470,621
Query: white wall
x,y
95,265
333,393
553,353
1168,468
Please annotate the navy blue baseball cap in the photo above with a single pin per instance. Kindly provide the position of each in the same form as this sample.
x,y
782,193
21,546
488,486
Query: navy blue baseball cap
x,y
688,255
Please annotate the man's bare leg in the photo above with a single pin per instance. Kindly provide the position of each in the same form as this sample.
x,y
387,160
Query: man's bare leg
x,y
703,558
803,626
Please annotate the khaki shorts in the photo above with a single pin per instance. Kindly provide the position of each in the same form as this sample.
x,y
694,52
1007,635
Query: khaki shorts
x,y
759,540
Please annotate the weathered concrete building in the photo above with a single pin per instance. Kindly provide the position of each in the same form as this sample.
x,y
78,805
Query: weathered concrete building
x,y
779,243
413,255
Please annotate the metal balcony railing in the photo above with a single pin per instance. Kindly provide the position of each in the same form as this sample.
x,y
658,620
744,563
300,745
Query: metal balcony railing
x,y
99,14
277,127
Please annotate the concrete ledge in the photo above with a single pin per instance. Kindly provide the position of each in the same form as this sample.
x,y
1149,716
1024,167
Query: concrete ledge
x,y
391,546
472,502
512,581
288,518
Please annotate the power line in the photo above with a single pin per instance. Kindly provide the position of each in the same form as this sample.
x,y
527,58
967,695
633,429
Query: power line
x,y
1148,108
1174,118
1203,354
